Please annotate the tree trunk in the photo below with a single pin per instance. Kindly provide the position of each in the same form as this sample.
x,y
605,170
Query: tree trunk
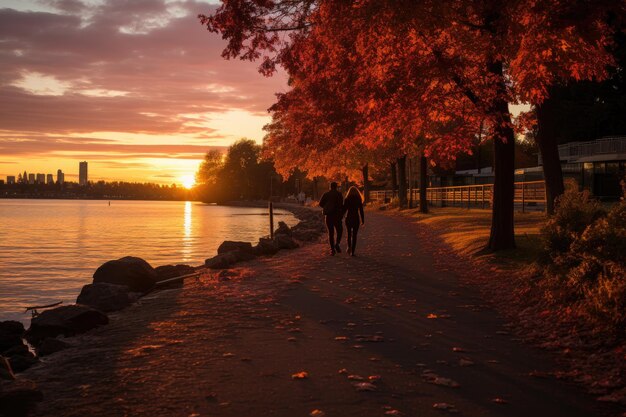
x,y
411,181
402,186
552,172
502,215
315,194
423,184
366,183
394,180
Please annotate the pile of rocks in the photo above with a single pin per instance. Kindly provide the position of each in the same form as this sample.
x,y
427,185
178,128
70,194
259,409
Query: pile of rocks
x,y
116,285
231,252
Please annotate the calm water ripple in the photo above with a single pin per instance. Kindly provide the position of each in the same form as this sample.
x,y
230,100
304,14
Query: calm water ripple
x,y
49,249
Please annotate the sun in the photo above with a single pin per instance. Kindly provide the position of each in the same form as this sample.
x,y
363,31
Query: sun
x,y
188,181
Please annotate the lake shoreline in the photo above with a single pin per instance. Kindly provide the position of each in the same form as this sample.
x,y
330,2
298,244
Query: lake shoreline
x,y
51,248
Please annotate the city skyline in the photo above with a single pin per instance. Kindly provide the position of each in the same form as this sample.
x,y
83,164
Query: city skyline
x,y
86,89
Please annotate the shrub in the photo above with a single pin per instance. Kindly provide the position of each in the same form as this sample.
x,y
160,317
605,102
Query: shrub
x,y
606,300
589,246
575,210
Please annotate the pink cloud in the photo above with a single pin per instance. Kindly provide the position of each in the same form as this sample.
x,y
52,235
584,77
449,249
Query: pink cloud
x,y
156,56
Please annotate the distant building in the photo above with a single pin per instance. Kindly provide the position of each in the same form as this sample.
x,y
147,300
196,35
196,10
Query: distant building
x,y
31,178
60,177
82,173
10,179
596,165
49,179
41,178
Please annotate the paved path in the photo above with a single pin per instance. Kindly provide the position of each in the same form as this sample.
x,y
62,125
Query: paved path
x,y
230,348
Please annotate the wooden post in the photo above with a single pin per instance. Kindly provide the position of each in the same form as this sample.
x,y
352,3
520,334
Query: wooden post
x,y
453,196
523,196
469,197
483,196
271,207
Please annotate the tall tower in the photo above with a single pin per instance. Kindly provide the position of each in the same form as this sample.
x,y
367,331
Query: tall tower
x,y
60,177
82,173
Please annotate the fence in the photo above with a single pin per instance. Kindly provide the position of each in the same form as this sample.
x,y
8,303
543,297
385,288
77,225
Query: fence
x,y
527,194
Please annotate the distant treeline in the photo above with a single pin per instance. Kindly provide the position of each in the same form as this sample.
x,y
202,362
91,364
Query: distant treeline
x,y
244,174
116,190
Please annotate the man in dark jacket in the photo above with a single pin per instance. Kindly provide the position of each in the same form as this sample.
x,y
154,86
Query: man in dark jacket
x,y
332,205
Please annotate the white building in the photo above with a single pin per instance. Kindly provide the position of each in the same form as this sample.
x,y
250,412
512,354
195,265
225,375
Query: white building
x,y
82,173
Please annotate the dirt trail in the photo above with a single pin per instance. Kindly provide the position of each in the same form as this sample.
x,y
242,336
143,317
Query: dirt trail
x,y
231,348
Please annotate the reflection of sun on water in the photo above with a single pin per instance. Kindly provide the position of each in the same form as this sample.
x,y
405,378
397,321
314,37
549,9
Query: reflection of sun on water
x,y
187,239
188,181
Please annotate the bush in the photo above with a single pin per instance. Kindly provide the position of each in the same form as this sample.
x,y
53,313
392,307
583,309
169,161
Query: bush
x,y
589,247
575,210
606,300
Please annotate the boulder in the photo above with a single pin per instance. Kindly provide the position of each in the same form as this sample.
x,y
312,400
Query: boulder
x,y
18,397
231,246
105,297
224,260
67,320
133,272
20,349
20,363
283,229
306,235
266,247
285,242
171,271
6,373
244,256
51,345
11,333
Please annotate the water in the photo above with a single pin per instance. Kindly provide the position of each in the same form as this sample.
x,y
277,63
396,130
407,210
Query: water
x,y
49,249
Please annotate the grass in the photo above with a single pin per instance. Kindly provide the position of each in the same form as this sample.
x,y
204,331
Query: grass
x,y
467,232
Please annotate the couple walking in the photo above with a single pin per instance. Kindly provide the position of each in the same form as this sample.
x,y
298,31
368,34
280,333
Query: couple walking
x,y
335,208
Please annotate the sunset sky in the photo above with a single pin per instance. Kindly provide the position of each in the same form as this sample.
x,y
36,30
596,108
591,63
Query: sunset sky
x,y
135,87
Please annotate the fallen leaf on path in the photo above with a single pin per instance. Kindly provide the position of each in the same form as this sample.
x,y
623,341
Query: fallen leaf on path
x,y
445,382
465,362
228,355
444,406
341,338
432,316
317,413
343,371
355,377
374,378
364,386
367,338
458,349
499,400
300,375
393,413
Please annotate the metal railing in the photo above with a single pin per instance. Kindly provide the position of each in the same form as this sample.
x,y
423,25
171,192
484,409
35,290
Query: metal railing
x,y
530,193
572,151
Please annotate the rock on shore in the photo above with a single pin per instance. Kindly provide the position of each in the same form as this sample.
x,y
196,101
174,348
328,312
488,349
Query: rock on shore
x,y
106,297
131,271
13,348
67,320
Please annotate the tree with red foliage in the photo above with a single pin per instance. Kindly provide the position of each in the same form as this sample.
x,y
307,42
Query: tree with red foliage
x,y
406,66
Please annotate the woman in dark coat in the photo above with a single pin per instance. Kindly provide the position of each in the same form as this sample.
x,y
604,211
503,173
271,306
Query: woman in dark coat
x,y
352,208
